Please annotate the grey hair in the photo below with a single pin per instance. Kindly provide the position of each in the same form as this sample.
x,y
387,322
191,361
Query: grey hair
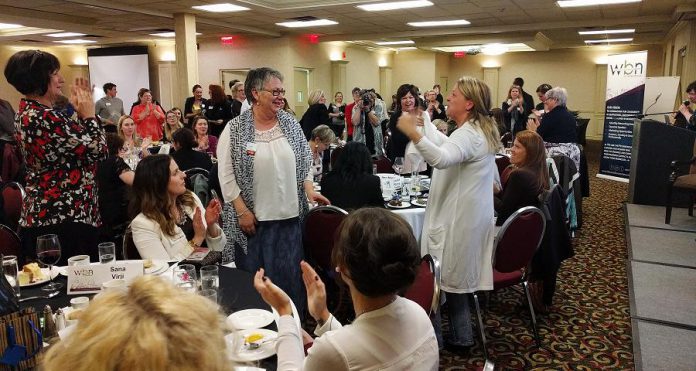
x,y
559,94
324,133
256,79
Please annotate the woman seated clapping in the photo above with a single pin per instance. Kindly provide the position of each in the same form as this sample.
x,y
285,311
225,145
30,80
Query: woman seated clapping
x,y
133,144
526,177
206,143
350,184
170,219
376,256
171,125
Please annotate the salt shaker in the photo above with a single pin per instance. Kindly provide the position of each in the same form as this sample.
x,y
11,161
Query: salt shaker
x,y
60,320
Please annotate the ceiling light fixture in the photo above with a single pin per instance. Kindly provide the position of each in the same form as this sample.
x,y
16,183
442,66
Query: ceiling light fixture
x,y
378,7
169,34
402,42
602,41
66,34
9,26
455,22
606,32
576,3
314,23
407,48
75,41
220,8
494,49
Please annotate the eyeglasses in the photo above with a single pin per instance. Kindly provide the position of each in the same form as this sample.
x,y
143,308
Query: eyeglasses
x,y
123,149
276,92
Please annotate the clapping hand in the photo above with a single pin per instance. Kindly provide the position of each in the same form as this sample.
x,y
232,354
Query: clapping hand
x,y
272,294
316,292
532,124
212,212
81,98
407,123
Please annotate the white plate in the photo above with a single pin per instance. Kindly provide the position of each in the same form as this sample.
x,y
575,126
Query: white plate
x,y
238,352
416,203
54,273
158,266
404,204
249,319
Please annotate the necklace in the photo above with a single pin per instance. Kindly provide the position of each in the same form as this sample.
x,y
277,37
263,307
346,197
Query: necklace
x,y
374,309
181,217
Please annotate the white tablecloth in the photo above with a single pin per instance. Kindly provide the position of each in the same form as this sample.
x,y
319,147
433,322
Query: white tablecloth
x,y
414,217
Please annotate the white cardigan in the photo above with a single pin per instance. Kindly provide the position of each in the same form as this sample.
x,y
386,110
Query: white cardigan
x,y
154,244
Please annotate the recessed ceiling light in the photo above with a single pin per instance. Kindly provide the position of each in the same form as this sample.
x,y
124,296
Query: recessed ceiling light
x,y
514,47
66,34
401,42
75,41
314,23
494,49
169,34
574,3
606,32
602,41
9,26
407,48
395,5
220,8
456,22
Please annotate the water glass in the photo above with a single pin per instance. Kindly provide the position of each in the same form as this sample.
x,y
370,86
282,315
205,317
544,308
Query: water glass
x,y
185,277
11,270
107,252
210,278
209,294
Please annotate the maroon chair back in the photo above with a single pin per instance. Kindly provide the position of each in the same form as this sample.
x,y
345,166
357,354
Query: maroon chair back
x,y
502,162
384,165
425,290
129,252
320,228
10,244
13,200
518,239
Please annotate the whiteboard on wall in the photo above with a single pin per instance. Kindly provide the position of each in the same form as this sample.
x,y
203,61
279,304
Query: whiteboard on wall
x,y
128,68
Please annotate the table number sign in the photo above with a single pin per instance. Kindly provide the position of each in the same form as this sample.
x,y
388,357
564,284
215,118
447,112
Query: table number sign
x,y
88,279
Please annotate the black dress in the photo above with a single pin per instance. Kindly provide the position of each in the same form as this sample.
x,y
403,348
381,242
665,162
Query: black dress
x,y
220,111
112,196
317,114
364,191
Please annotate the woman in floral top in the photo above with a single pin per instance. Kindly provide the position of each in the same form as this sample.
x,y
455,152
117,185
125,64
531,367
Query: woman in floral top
x,y
61,156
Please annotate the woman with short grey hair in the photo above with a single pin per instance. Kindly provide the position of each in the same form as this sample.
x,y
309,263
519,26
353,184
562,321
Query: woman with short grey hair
x,y
559,94
265,176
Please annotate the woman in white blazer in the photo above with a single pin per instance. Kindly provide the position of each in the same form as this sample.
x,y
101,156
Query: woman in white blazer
x,y
171,221
458,227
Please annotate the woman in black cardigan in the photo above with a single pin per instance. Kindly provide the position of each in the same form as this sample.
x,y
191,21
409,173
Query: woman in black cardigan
x,y
194,105
350,184
317,113
526,177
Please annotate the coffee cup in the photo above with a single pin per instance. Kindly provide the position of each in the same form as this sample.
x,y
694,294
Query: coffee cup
x,y
118,284
79,302
78,260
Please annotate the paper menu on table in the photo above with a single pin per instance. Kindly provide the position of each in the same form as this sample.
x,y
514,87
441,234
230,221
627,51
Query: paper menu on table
x,y
88,279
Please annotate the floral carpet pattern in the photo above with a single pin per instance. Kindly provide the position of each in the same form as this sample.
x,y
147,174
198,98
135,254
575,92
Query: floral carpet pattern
x,y
588,327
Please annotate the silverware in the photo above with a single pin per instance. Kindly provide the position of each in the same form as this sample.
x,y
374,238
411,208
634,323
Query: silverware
x,y
47,296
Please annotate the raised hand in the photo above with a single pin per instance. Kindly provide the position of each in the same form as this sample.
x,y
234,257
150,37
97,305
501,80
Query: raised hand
x,y
272,294
81,98
316,293
212,212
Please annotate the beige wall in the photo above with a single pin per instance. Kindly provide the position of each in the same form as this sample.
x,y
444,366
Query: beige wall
x,y
415,67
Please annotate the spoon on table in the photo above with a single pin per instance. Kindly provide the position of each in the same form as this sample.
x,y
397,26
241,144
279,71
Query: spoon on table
x,y
47,296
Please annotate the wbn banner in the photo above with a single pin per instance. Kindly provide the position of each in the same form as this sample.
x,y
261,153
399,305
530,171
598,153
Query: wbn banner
x,y
624,102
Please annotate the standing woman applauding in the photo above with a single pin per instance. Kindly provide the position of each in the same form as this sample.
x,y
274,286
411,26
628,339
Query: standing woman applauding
x,y
61,156
458,227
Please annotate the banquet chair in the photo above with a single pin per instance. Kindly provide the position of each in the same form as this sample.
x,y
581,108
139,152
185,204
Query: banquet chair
x,y
13,196
10,242
384,165
197,182
681,181
320,226
515,244
502,162
425,289
581,130
130,252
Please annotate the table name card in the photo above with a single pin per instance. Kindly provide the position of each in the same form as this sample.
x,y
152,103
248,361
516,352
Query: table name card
x,y
88,279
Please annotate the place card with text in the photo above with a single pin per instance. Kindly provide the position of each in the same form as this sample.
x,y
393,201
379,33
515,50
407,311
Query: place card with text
x,y
88,279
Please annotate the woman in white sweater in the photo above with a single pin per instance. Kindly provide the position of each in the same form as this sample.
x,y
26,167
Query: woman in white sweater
x,y
376,256
171,221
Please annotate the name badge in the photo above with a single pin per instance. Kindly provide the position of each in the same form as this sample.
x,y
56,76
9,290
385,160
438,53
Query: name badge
x,y
108,104
251,149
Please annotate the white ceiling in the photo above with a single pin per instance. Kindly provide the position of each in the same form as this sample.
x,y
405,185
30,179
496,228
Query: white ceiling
x,y
538,23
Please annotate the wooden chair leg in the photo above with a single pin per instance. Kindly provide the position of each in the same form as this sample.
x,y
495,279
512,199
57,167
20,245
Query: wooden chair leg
x,y
480,325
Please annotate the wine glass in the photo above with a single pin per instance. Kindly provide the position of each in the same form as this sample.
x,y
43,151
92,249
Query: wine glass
x,y
48,252
398,165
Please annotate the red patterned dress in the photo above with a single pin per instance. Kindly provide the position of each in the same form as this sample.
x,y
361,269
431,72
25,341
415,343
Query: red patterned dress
x,y
61,156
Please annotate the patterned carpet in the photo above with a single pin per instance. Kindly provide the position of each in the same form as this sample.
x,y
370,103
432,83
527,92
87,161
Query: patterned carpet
x,y
589,325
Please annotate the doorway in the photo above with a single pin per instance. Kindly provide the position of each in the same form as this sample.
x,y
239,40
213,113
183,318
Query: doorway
x,y
301,80
228,75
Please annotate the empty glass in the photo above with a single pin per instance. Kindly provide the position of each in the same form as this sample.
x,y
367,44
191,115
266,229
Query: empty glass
x,y
10,269
398,165
209,294
107,252
210,278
